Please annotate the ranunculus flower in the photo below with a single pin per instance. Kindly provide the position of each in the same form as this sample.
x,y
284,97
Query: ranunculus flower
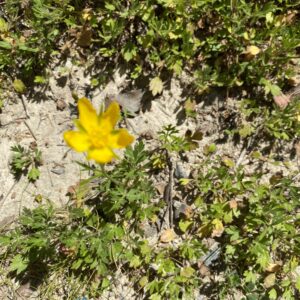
x,y
96,134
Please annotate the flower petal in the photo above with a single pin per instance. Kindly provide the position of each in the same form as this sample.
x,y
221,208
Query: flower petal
x,y
79,141
120,138
111,115
87,115
101,155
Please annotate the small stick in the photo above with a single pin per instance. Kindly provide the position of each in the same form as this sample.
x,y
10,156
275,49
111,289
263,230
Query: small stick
x,y
170,200
10,122
30,130
168,196
24,106
49,174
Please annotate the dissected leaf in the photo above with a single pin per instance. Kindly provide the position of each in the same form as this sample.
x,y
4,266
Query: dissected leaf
x,y
33,174
18,264
184,225
246,130
156,86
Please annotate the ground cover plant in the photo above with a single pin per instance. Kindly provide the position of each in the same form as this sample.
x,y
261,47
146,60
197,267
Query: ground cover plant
x,y
138,219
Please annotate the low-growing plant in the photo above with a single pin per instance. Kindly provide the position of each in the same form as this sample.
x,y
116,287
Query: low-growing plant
x,y
256,224
26,161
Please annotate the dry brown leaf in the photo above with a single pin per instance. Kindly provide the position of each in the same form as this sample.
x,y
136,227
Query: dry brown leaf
x,y
167,236
269,281
273,267
282,100
252,50
233,204
204,270
130,101
297,148
84,37
218,228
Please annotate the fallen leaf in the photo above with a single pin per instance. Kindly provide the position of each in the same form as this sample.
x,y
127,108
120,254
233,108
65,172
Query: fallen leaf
x,y
84,37
168,236
233,204
156,86
269,281
297,148
203,270
218,228
273,267
252,50
190,105
282,100
130,101
87,14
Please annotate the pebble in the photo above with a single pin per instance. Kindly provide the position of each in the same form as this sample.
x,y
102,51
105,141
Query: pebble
x,y
58,170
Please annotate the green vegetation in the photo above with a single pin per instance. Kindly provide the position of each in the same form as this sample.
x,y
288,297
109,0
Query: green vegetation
x,y
246,46
103,230
26,161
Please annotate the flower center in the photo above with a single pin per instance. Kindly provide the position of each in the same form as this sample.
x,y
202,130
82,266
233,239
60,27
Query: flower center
x,y
98,138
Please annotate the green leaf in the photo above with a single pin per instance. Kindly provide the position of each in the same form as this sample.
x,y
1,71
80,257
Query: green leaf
x,y
5,45
33,174
297,285
156,86
19,86
272,294
209,149
250,276
246,130
143,281
228,162
18,264
3,25
187,272
135,262
40,79
110,6
184,225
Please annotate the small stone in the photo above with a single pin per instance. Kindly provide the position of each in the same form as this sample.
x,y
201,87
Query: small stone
x,y
61,104
181,171
58,170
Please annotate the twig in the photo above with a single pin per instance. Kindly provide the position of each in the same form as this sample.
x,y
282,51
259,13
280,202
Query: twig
x,y
10,122
24,106
49,174
168,195
170,187
30,130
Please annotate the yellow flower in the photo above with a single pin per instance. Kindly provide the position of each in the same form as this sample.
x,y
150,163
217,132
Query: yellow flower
x,y
96,134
